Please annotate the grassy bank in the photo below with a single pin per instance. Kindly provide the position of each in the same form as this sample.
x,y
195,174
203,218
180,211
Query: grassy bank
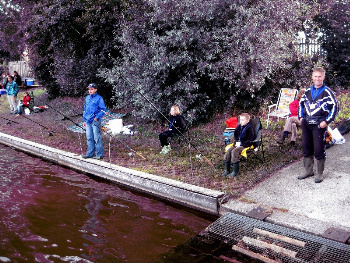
x,y
182,163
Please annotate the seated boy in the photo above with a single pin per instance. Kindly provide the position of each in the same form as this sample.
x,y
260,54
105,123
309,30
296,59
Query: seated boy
x,y
243,135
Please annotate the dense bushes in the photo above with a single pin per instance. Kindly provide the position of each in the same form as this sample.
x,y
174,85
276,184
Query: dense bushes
x,y
208,55
204,55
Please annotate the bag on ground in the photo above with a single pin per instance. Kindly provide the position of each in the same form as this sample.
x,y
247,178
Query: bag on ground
x,y
337,138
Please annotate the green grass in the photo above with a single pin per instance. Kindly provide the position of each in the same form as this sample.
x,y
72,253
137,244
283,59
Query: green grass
x,y
182,163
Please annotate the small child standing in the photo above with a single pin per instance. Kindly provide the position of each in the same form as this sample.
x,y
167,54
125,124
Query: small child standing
x,y
23,103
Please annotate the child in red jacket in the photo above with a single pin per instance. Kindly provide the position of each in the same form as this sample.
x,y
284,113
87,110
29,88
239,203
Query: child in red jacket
x,y
292,123
24,103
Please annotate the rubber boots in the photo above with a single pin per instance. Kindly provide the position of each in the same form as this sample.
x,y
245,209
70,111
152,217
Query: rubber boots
x,y
309,167
235,169
227,169
320,168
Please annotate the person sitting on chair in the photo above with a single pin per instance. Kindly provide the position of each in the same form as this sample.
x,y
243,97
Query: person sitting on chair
x,y
23,103
177,125
243,135
292,123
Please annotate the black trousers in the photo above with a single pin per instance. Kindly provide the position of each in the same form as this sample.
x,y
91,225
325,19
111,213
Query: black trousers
x,y
314,140
163,137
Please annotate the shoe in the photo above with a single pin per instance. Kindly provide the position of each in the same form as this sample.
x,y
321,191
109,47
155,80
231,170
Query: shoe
x,y
320,168
86,156
166,149
235,168
98,157
309,166
280,141
227,169
17,115
163,149
284,136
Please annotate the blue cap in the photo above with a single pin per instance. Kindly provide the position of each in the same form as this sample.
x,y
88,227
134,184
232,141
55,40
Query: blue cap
x,y
92,85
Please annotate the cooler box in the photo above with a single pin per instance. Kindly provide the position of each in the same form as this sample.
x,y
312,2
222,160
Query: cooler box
x,y
2,91
29,82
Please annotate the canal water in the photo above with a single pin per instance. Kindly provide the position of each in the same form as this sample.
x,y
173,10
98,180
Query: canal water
x,y
49,213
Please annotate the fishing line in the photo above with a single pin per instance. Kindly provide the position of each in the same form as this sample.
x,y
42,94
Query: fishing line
x,y
102,128
50,131
200,155
8,120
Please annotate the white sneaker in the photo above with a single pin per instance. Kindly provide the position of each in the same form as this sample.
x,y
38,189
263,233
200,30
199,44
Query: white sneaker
x,y
167,149
163,149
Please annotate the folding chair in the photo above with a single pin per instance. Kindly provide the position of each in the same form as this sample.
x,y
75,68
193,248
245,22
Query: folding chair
x,y
256,150
281,108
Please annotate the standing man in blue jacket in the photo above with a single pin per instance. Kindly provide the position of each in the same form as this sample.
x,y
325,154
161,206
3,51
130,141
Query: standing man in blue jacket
x,y
317,109
12,91
94,109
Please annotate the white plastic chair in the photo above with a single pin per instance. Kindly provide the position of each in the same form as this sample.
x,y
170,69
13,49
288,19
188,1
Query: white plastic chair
x,y
281,108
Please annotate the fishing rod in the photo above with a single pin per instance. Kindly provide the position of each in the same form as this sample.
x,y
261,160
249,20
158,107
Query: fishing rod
x,y
50,131
102,128
8,120
179,132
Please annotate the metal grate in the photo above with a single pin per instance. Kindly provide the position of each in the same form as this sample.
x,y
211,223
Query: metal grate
x,y
275,242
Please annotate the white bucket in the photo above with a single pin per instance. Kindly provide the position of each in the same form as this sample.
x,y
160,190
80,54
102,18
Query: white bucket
x,y
115,125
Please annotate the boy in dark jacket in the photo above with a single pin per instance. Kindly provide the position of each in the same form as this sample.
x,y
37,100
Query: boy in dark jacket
x,y
244,135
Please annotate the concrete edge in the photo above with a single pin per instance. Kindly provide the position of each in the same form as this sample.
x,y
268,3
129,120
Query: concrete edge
x,y
195,197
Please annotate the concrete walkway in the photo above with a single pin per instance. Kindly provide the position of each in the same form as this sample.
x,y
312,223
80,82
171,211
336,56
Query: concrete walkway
x,y
303,204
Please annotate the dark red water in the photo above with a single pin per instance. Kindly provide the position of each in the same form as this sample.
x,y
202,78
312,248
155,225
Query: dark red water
x,y
49,213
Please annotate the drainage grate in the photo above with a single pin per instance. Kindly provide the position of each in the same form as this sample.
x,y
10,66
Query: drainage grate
x,y
275,243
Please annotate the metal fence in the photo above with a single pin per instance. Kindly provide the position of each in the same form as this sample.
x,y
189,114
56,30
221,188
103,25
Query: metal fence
x,y
311,47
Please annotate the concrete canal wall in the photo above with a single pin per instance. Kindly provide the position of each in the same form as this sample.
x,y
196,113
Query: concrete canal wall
x,y
195,197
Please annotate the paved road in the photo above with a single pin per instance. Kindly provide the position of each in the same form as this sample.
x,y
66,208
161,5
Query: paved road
x,y
303,204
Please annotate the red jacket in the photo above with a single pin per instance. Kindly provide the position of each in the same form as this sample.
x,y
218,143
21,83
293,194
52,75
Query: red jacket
x,y
26,100
293,108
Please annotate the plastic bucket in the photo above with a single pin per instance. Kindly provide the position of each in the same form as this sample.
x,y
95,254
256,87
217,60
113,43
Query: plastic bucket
x,y
115,125
29,82
2,91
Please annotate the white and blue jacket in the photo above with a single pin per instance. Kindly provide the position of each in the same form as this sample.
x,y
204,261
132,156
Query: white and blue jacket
x,y
319,104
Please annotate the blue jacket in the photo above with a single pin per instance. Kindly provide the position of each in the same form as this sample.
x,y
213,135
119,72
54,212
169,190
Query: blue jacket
x,y
12,88
94,107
